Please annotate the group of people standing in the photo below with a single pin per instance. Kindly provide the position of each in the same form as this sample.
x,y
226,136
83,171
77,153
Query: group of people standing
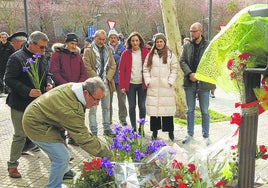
x,y
143,76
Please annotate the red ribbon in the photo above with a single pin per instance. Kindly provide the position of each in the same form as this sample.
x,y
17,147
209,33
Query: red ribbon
x,y
237,104
236,117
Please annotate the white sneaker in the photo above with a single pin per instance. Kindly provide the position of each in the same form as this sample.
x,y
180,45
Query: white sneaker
x,y
64,186
206,141
187,139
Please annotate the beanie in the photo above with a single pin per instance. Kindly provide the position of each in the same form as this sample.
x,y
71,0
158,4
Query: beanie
x,y
88,39
112,32
160,36
71,37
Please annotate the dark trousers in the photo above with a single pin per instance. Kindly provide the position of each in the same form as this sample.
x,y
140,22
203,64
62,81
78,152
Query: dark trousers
x,y
165,123
134,90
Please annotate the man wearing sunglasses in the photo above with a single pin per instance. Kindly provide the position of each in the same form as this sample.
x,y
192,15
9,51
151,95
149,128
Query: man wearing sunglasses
x,y
23,92
63,108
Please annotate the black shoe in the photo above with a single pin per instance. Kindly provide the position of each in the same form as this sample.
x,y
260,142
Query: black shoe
x,y
28,147
124,123
68,175
72,142
171,136
153,138
35,149
154,135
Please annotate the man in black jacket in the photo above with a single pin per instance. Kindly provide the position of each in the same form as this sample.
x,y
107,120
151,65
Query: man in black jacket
x,y
191,55
6,49
23,91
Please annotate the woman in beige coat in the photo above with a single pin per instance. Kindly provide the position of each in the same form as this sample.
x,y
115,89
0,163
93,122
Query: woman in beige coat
x,y
160,72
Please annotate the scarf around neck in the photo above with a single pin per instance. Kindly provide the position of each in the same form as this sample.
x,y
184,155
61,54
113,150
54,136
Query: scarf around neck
x,y
101,67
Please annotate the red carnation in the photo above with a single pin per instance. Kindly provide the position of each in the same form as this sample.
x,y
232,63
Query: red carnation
x,y
262,149
87,166
230,64
244,56
233,147
176,164
182,185
191,167
232,75
219,184
265,156
177,177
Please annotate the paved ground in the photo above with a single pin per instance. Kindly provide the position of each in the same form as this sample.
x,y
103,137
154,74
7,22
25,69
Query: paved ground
x,y
35,167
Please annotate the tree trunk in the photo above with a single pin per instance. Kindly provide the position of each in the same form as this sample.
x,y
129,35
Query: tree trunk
x,y
174,42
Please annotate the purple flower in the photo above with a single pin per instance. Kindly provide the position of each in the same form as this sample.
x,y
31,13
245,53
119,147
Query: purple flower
x,y
141,121
138,154
105,163
37,55
29,60
116,144
25,69
127,147
154,146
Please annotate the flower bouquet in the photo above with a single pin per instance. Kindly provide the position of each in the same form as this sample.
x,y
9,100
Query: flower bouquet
x,y
96,173
129,152
242,35
32,67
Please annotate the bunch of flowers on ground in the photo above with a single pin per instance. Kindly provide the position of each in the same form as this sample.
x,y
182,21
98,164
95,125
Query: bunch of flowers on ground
x,y
230,170
183,176
129,146
96,173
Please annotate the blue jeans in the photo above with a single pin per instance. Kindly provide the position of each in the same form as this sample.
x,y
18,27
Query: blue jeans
x,y
59,156
92,116
135,89
203,97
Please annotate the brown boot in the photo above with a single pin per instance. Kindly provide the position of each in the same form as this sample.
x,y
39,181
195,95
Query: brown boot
x,y
14,173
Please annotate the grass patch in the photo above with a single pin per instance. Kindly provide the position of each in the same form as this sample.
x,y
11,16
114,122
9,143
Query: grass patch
x,y
214,117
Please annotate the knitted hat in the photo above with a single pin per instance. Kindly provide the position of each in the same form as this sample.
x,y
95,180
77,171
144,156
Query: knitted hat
x,y
88,39
160,36
71,37
112,32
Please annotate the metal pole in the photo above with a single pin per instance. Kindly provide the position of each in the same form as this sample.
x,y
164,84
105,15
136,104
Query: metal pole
x,y
248,133
210,20
26,16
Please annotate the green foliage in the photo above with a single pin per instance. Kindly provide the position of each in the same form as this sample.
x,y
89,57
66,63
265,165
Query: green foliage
x,y
214,117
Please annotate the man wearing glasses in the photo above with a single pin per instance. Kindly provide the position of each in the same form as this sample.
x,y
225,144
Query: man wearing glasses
x,y
63,108
191,55
23,92
99,61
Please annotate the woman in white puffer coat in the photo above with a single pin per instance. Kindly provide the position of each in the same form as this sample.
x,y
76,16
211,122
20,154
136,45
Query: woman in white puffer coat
x,y
160,72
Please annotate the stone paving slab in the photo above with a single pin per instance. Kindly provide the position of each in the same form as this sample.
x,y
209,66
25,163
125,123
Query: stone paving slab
x,y
35,167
